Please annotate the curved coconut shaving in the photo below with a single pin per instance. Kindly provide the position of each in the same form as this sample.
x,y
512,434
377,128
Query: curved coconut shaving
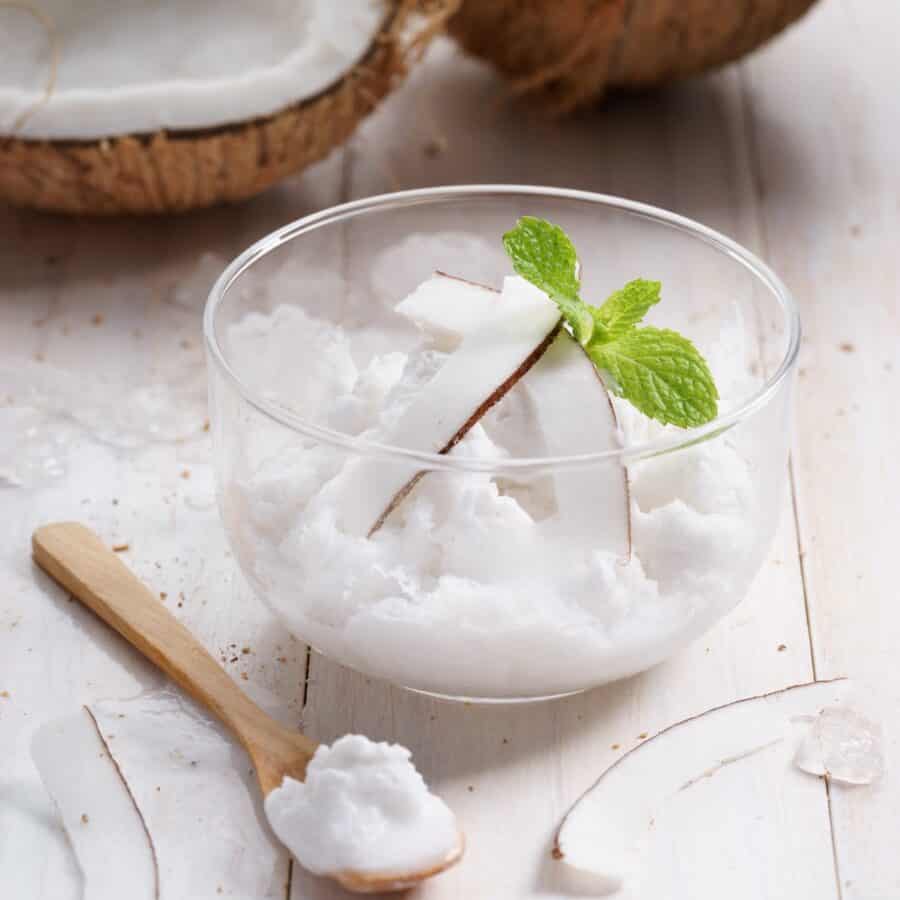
x,y
138,66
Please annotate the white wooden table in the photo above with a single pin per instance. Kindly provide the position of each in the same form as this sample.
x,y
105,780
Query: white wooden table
x,y
794,153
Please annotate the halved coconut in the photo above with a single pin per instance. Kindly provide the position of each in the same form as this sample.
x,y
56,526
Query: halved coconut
x,y
573,51
147,107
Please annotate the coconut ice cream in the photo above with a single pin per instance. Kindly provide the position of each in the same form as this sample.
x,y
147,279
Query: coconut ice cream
x,y
472,521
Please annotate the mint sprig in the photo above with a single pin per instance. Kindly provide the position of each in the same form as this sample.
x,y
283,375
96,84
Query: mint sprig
x,y
543,254
657,370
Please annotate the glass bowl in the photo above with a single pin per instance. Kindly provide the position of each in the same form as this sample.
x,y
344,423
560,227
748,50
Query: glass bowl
x,y
489,581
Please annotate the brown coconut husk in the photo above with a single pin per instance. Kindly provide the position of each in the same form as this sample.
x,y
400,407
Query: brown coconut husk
x,y
176,171
571,52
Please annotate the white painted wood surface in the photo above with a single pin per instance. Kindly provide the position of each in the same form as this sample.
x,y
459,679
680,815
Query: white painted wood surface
x,y
794,153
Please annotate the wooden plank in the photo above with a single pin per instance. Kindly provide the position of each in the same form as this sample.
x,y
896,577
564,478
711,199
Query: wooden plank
x,y
109,309
824,113
511,772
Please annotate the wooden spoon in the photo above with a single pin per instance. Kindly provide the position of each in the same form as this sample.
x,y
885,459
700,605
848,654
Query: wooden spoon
x,y
75,557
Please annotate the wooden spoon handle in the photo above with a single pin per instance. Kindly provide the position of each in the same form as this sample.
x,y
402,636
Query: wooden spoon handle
x,y
75,557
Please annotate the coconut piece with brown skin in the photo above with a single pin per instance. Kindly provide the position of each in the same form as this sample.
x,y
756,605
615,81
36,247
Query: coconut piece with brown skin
x,y
571,52
606,832
572,407
167,141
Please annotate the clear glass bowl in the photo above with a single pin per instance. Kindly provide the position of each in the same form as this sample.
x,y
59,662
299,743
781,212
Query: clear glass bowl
x,y
479,586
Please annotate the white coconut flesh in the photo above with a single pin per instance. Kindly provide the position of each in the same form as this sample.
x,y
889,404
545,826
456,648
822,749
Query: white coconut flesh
x,y
607,830
158,802
488,361
496,340
102,68
99,814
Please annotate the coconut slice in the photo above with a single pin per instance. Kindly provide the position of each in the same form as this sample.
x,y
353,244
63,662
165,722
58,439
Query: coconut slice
x,y
106,831
605,830
196,792
149,107
448,308
575,413
576,417
510,339
159,803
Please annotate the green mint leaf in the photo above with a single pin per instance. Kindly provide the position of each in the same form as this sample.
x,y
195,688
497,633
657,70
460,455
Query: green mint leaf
x,y
661,373
626,307
543,254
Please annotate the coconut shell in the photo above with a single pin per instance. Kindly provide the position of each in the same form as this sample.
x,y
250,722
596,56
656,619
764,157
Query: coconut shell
x,y
571,52
176,171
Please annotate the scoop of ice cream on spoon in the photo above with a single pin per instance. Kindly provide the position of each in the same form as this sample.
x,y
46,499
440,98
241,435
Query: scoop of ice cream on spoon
x,y
356,811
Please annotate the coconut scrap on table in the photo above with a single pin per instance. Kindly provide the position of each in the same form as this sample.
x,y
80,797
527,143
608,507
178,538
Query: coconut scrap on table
x,y
635,810
141,786
154,107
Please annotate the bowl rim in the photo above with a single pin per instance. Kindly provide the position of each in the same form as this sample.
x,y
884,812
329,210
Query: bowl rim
x,y
360,446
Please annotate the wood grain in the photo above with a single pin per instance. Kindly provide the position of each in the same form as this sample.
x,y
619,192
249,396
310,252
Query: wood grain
x,y
825,126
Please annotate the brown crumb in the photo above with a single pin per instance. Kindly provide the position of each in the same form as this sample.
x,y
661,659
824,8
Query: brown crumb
x,y
282,659
206,424
84,819
4,694
782,648
121,548
435,146
642,736
233,659
185,473
471,788
97,319
39,357
245,676
846,347
245,650
163,595
614,746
